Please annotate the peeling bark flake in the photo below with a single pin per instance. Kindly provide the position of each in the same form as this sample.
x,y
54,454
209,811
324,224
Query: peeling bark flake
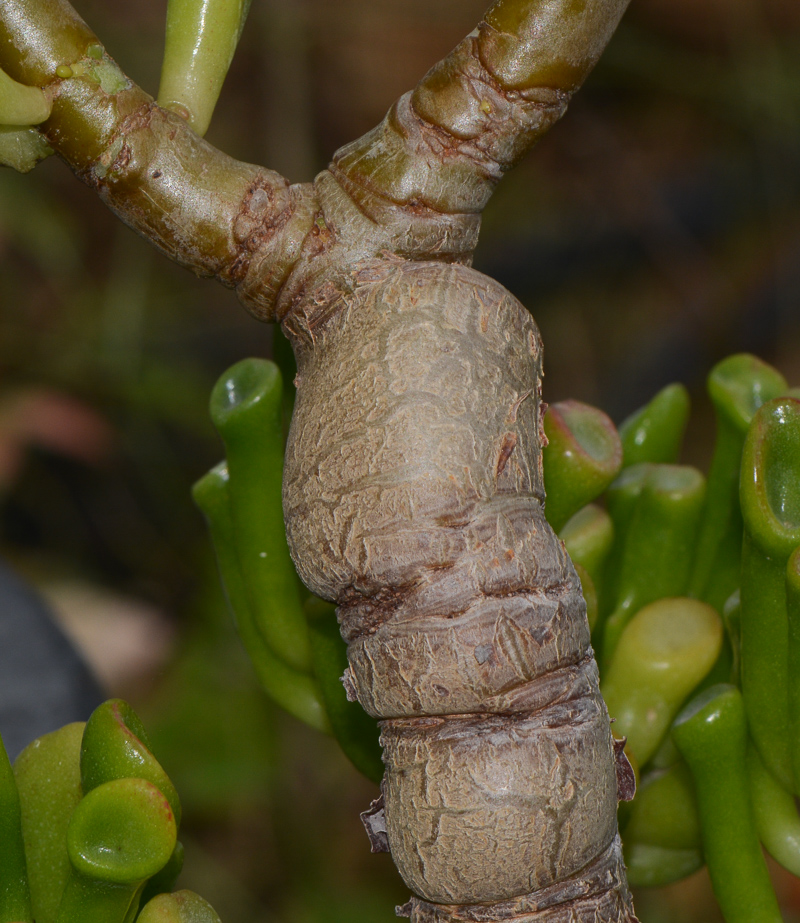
x,y
374,821
626,778
507,447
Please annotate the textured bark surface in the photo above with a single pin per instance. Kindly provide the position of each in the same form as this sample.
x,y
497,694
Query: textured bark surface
x,y
413,493
413,497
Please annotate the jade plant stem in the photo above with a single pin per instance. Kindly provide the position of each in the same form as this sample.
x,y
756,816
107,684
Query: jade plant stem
x,y
15,897
711,733
770,501
412,495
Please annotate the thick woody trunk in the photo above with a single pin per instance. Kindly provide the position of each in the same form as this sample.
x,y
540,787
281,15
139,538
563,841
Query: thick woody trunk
x,y
413,497
413,493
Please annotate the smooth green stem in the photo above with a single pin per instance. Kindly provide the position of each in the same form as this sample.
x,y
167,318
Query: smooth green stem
x,y
15,895
49,784
201,38
711,733
356,732
665,651
180,907
246,409
21,105
115,746
582,457
738,386
775,813
655,432
770,502
293,690
589,537
793,658
120,834
657,555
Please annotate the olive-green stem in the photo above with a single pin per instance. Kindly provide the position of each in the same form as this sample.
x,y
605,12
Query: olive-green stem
x,y
582,457
205,210
415,185
15,896
711,734
738,386
486,103
770,502
654,433
293,690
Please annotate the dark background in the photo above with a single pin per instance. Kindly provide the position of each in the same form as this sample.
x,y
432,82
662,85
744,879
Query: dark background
x,y
653,232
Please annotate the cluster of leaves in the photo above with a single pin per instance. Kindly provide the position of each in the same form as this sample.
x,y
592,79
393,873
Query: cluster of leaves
x,y
692,588
89,823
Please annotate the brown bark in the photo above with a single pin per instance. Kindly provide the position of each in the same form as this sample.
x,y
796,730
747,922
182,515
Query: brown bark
x,y
465,624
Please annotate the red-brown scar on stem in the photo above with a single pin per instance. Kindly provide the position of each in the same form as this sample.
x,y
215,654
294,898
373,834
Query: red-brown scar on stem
x,y
509,443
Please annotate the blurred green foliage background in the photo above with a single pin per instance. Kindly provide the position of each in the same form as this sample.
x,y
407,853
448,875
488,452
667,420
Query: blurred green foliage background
x,y
655,230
